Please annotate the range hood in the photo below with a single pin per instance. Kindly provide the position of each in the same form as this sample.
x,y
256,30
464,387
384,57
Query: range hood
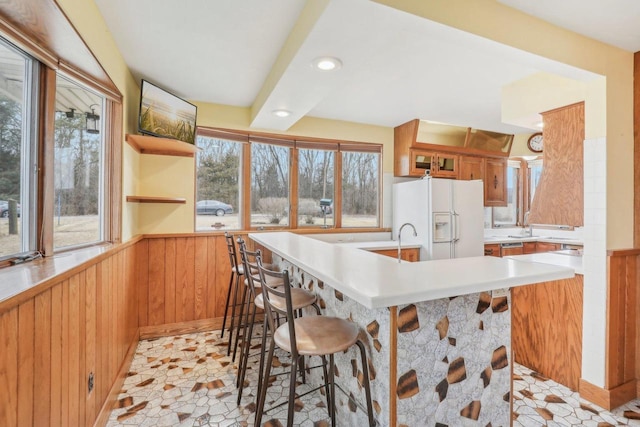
x,y
559,197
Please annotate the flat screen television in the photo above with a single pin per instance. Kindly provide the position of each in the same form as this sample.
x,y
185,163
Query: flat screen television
x,y
164,114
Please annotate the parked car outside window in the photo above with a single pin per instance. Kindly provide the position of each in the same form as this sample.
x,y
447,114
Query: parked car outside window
x,y
213,207
4,209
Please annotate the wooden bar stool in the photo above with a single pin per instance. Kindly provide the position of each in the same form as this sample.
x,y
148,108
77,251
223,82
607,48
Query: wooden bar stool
x,y
306,336
301,298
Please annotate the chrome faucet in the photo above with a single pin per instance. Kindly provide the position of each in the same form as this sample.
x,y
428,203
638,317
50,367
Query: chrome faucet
x,y
415,233
526,222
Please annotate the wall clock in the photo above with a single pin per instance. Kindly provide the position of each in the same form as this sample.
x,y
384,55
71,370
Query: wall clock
x,y
536,143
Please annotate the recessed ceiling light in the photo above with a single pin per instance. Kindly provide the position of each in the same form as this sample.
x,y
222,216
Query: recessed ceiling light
x,y
281,113
327,63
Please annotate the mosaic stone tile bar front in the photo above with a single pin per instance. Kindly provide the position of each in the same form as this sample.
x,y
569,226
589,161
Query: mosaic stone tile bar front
x,y
452,366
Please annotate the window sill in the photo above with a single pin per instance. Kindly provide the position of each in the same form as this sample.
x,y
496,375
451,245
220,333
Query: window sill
x,y
21,282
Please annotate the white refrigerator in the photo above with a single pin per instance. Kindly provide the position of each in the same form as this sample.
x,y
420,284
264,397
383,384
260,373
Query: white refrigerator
x,y
447,215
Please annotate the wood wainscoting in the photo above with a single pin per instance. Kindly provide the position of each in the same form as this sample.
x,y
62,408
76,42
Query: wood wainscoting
x,y
547,329
84,323
186,280
90,320
622,361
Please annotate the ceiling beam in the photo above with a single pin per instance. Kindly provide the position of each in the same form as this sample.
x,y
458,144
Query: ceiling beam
x,y
267,101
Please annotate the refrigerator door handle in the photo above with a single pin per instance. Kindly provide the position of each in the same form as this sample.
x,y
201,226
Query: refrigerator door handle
x,y
456,226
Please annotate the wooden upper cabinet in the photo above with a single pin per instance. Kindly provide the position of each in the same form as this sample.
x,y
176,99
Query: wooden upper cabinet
x,y
495,183
438,165
471,168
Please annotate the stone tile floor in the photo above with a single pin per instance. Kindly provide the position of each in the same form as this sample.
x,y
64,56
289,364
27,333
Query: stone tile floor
x,y
539,401
187,380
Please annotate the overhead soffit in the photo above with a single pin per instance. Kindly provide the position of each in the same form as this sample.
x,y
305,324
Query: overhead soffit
x,y
396,66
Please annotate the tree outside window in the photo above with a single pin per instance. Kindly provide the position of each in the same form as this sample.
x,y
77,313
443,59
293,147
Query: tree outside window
x,y
78,167
360,189
218,184
269,185
315,183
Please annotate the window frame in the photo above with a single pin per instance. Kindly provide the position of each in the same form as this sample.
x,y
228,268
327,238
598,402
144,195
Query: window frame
x,y
295,143
520,185
43,101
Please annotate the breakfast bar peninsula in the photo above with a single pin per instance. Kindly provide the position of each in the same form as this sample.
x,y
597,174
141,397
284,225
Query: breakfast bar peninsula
x,y
438,333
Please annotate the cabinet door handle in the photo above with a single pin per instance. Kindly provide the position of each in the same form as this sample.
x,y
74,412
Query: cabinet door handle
x,y
495,182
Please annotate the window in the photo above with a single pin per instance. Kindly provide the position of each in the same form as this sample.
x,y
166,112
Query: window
x,y
535,171
261,181
360,188
507,216
78,166
315,187
218,183
269,184
17,152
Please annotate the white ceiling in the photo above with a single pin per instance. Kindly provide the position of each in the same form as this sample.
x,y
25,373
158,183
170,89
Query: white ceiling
x,y
396,66
613,22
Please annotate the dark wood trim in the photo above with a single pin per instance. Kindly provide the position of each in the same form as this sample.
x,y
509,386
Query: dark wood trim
x,y
42,274
608,398
337,185
393,366
294,175
245,192
264,137
179,328
156,199
41,28
113,171
46,143
623,252
296,231
636,149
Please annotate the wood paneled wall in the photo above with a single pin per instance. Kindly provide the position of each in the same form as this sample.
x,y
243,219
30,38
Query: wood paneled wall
x,y
186,280
546,329
622,363
51,342
621,317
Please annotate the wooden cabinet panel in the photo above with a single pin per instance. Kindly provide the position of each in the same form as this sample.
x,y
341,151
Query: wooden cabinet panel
x,y
439,165
546,329
447,166
495,183
471,168
515,250
492,249
547,247
420,162
529,248
410,254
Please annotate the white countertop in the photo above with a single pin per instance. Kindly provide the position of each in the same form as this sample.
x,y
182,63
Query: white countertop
x,y
379,245
536,238
559,258
375,281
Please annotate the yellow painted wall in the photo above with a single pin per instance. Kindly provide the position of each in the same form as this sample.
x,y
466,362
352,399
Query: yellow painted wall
x,y
611,115
519,146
